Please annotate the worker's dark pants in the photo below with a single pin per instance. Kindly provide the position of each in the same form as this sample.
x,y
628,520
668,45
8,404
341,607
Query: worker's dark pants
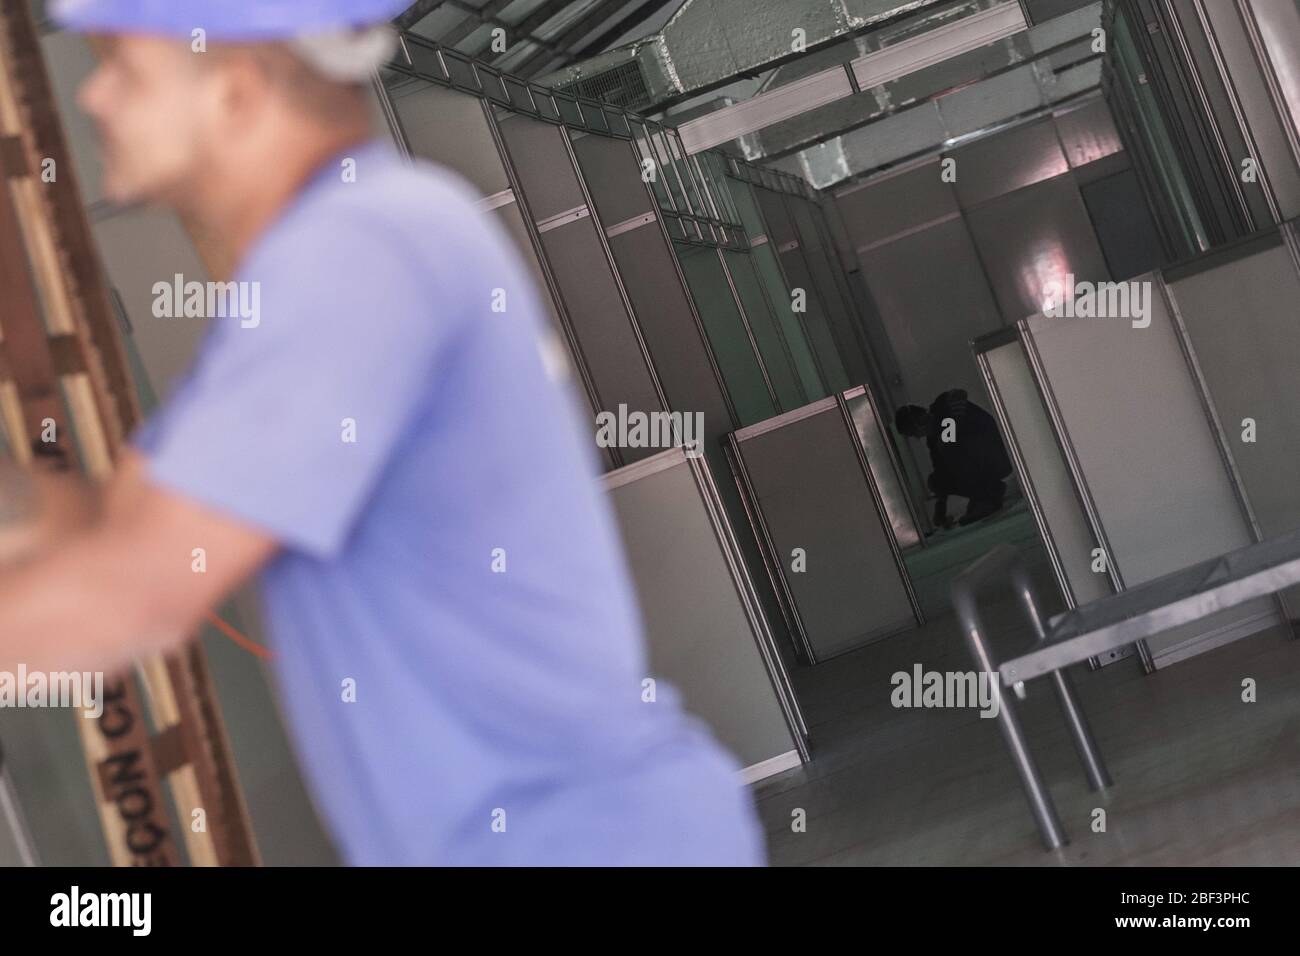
x,y
977,487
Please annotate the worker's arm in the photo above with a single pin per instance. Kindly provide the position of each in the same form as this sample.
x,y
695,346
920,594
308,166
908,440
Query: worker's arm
x,y
41,505
128,582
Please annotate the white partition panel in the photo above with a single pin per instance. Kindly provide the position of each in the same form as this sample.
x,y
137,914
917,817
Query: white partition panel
x,y
1044,473
1246,345
704,632
1130,409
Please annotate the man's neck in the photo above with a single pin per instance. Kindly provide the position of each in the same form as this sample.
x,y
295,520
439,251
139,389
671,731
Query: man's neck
x,y
233,211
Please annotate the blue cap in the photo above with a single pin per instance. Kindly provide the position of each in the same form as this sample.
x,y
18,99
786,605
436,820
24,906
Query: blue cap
x,y
228,20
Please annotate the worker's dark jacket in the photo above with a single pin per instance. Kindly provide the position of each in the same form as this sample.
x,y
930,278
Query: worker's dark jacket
x,y
976,461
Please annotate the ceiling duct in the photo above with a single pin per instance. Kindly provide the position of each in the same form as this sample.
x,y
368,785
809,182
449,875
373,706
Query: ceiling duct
x,y
707,44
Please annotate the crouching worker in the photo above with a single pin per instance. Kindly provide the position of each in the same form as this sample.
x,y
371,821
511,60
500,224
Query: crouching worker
x,y
966,454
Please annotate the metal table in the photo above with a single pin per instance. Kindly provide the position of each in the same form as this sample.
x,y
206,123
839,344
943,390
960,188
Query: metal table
x,y
1104,625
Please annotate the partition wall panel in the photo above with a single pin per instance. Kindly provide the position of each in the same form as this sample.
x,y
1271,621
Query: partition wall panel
x,y
1130,409
605,332
933,300
766,329
1246,345
998,165
600,320
1266,117
778,290
698,607
821,260
663,307
895,203
557,347
782,233
1126,232
1044,473
829,543
1035,236
452,129
872,430
727,332
540,158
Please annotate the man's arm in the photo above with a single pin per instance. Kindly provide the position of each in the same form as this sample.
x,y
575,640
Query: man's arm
x,y
42,505
125,584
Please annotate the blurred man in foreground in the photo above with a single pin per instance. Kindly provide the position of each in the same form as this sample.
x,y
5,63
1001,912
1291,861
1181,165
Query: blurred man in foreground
x,y
456,637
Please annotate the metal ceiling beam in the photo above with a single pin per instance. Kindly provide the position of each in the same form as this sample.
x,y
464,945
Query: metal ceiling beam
x,y
525,27
472,22
638,16
598,14
416,12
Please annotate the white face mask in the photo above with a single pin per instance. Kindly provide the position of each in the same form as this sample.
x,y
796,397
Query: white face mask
x,y
347,55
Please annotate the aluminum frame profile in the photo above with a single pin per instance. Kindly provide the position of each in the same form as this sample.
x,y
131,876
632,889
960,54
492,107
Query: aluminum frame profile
x,y
903,58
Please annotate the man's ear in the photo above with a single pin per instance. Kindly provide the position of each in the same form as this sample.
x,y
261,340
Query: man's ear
x,y
241,88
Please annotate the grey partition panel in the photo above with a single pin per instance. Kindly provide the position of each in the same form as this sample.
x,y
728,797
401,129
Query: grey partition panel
x,y
767,332
807,484
893,204
1132,414
1254,101
1240,316
782,233
1044,474
1127,233
540,156
513,218
931,316
735,350
778,293
1278,22
822,264
768,266
604,330
452,128
613,177
698,608
650,277
886,469
997,165
1032,237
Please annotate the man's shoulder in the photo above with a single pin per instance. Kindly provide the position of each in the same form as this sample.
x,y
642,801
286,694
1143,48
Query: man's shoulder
x,y
415,215
408,199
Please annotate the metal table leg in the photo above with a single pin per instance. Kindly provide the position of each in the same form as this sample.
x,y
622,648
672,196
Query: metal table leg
x,y
1040,800
1084,745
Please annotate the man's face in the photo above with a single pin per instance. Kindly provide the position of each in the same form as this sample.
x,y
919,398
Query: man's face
x,y
152,105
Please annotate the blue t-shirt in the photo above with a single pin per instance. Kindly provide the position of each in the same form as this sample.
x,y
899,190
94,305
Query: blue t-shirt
x,y
448,558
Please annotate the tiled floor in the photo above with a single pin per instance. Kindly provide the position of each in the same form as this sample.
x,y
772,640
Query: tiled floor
x,y
1200,777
